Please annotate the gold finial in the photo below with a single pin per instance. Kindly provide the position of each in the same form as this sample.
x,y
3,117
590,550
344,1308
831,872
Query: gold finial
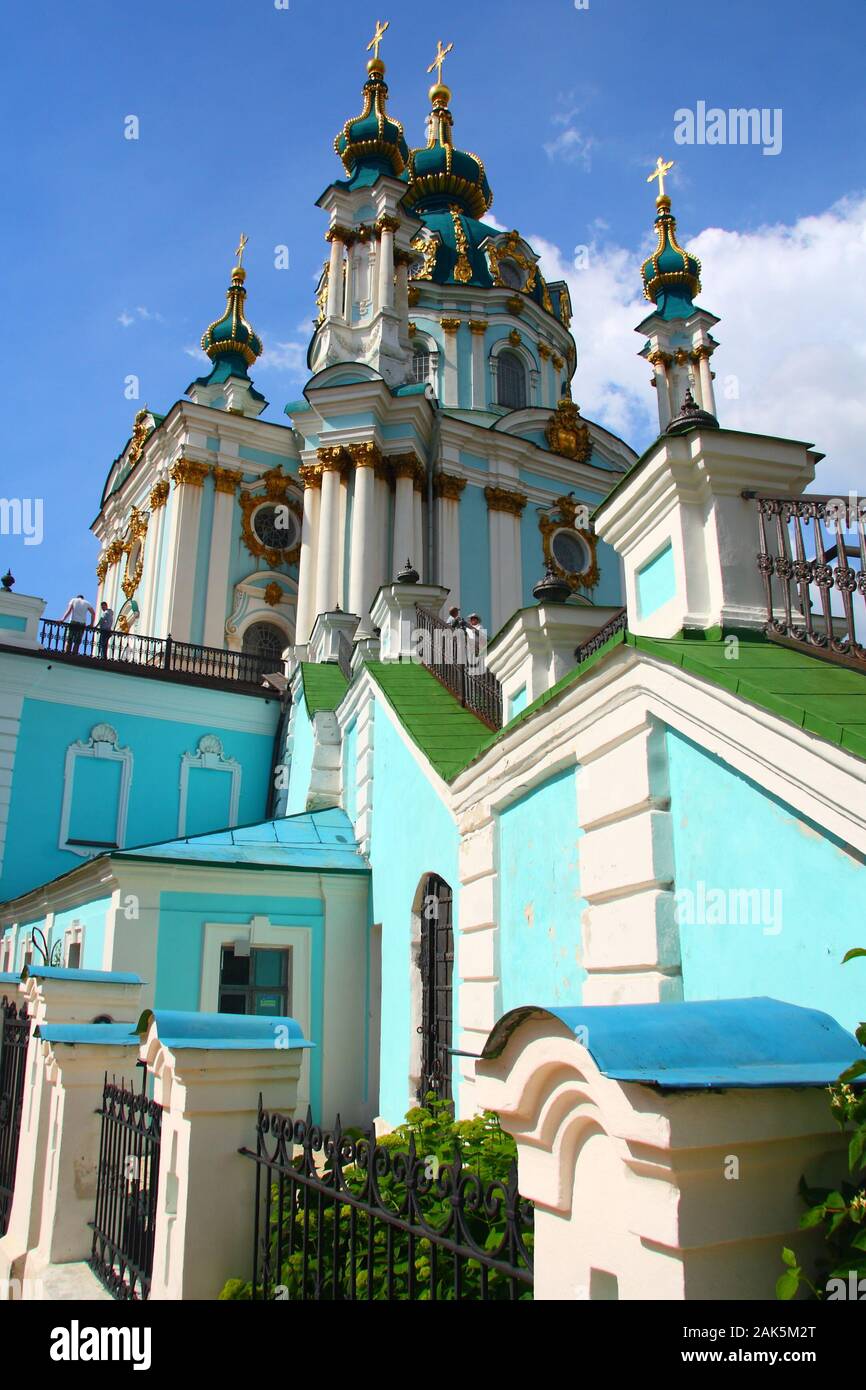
x,y
659,172
441,55
240,250
378,37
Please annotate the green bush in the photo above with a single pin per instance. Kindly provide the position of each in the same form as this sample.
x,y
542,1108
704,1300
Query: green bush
x,y
841,1211
484,1151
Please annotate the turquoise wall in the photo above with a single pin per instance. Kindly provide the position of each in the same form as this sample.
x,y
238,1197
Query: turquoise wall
x,y
733,838
91,915
301,766
474,555
182,918
32,855
656,582
413,835
540,903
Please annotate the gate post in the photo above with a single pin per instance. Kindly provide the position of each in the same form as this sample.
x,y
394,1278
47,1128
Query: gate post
x,y
53,995
662,1144
209,1071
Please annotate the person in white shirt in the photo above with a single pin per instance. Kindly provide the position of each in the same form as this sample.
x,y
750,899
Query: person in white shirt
x,y
79,614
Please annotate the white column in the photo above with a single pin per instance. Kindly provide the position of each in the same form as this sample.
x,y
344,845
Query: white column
x,y
708,395
450,377
363,544
226,481
404,515
155,531
547,381
385,296
328,559
189,481
382,558
447,574
402,302
312,480
419,554
506,573
335,274
663,390
479,365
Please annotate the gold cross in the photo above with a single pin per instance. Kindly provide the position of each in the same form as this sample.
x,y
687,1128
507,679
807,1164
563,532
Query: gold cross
x,y
378,36
659,173
241,245
441,55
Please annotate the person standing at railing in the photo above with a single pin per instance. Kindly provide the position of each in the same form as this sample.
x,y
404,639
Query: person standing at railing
x,y
78,611
105,627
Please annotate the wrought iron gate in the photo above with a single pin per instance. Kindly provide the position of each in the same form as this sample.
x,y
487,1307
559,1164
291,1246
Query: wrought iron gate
x,y
341,1218
126,1191
14,1037
437,968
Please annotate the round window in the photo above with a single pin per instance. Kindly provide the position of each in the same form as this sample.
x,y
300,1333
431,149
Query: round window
x,y
571,552
276,527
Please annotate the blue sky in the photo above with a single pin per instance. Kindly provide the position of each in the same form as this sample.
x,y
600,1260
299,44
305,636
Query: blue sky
x,y
118,251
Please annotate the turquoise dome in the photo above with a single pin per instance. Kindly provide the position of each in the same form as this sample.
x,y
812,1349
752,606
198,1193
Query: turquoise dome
x,y
373,140
671,277
230,341
440,176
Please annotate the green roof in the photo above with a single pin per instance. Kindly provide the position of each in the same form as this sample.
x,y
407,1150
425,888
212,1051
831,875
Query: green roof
x,y
324,685
448,735
818,696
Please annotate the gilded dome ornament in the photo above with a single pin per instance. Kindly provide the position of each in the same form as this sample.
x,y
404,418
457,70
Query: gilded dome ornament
x,y
567,434
374,138
671,276
231,338
440,175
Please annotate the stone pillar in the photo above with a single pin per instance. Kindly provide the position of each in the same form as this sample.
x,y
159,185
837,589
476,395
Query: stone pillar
x,y
226,483
386,227
450,375
547,397
419,551
660,361
478,328
149,622
311,477
402,260
670,1191
333,463
210,1092
53,996
705,378
448,490
364,543
340,238
189,479
405,469
506,575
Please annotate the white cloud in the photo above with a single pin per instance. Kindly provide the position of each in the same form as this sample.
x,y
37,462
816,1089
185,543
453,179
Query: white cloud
x,y
288,357
571,146
196,353
792,304
125,319
144,313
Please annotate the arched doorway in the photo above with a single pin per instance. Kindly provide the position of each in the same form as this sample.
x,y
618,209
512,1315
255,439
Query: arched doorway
x,y
436,969
266,640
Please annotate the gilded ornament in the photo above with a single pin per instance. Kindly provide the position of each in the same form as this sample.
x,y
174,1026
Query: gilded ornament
x,y
514,305
310,474
463,266
273,595
141,432
499,499
414,296
449,486
508,248
227,480
558,362
478,326
159,494
334,459
115,552
567,434
450,325
187,471
102,567
514,338
366,455
544,351
428,248
408,466
565,517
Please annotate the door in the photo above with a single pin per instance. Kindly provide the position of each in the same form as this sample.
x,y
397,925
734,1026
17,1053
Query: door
x,y
437,969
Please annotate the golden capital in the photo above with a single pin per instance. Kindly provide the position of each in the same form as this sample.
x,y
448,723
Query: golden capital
x,y
558,362
337,233
102,567
499,499
659,358
408,466
478,326
544,351
450,325
227,480
449,486
310,474
387,223
187,471
115,552
334,459
367,455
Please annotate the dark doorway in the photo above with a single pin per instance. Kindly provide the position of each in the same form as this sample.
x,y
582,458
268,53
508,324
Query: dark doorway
x,y
436,963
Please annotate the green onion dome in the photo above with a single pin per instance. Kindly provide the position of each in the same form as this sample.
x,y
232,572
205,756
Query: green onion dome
x,y
441,177
671,277
230,341
374,140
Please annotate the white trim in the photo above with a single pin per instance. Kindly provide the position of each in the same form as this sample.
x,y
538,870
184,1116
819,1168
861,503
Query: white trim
x,y
73,936
102,745
209,757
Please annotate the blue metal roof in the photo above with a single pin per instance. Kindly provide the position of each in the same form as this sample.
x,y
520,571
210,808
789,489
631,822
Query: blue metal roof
x,y
84,1034
8,977
712,1043
224,1032
320,842
88,977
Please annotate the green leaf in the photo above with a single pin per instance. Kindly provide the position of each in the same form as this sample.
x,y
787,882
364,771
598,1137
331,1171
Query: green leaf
x,y
853,955
814,1217
789,1258
852,1072
787,1285
855,1150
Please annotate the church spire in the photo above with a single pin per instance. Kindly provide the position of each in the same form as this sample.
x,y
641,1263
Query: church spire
x,y
374,140
440,176
232,345
671,276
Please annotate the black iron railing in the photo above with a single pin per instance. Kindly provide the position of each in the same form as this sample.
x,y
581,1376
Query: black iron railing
x,y
339,1218
455,655
813,562
127,1189
618,623
155,656
14,1039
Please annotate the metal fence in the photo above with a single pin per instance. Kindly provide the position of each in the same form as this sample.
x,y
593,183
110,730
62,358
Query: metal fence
x,y
453,656
815,597
156,656
127,1188
14,1039
342,1218
618,623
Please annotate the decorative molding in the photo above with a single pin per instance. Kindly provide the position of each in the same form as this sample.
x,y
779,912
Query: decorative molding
x,y
567,434
450,325
478,326
209,757
335,459
102,745
408,466
227,480
273,594
367,455
563,519
279,493
448,486
508,248
159,494
500,499
187,471
310,474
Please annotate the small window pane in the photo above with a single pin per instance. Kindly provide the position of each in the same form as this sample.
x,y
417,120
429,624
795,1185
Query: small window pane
x,y
421,366
512,382
270,967
236,969
73,956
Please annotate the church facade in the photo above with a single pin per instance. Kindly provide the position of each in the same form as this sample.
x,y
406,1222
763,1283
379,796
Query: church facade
x,y
289,783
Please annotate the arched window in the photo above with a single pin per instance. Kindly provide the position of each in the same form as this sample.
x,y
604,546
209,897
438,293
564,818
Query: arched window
x,y
265,639
420,364
509,274
512,381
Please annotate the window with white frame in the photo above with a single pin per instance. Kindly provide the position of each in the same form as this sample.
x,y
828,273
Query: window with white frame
x,y
73,946
96,784
210,789
420,364
511,381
